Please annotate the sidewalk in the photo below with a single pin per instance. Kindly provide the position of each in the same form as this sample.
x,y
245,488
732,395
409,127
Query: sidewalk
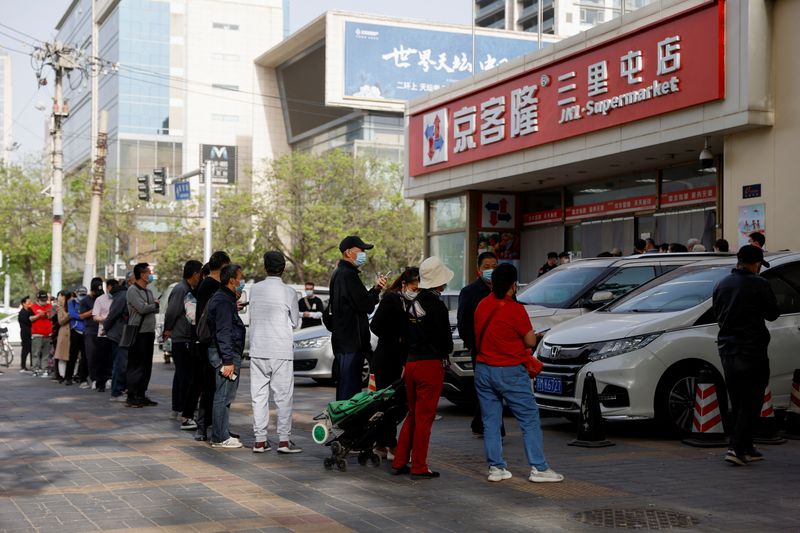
x,y
70,460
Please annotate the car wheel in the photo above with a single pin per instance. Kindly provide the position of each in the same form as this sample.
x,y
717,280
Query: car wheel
x,y
674,401
365,371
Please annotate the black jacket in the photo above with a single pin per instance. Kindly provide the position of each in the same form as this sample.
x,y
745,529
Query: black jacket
x,y
429,336
468,300
226,326
545,268
24,319
117,314
390,325
313,304
742,302
351,304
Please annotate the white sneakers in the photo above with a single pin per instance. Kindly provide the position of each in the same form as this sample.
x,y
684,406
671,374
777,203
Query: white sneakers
x,y
545,476
498,474
288,448
230,443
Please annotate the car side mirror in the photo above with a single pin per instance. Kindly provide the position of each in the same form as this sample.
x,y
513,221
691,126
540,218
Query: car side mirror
x,y
602,297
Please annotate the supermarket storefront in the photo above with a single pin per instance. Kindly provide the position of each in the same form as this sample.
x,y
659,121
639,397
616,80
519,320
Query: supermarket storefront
x,y
598,140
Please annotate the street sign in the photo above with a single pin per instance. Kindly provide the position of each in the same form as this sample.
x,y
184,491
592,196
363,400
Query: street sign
x,y
224,159
182,190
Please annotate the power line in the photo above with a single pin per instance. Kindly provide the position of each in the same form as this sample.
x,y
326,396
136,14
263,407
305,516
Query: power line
x,y
21,32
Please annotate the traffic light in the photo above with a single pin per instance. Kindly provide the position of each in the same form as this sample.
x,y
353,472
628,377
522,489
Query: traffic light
x,y
144,187
160,181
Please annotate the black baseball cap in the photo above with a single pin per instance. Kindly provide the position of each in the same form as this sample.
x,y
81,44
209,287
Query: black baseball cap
x,y
751,255
42,295
354,241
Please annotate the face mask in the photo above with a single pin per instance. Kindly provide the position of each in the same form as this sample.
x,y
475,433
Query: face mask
x,y
240,287
151,278
309,293
409,295
486,275
361,258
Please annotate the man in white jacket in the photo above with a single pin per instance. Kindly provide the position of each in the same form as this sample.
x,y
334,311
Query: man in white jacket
x,y
273,315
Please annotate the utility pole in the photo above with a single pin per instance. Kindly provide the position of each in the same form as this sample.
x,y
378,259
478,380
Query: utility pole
x,y
5,266
207,235
61,59
98,178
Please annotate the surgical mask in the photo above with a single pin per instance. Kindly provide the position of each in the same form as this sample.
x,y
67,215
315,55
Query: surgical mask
x,y
309,293
487,275
409,295
361,258
240,287
151,278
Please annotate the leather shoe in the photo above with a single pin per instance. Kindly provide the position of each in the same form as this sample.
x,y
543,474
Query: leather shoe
x,y
405,469
425,475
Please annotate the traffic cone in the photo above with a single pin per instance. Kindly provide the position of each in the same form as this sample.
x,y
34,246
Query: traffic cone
x,y
766,430
371,386
792,420
707,429
590,429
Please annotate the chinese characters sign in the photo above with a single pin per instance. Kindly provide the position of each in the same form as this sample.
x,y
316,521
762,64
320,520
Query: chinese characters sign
x,y
224,162
699,195
400,63
671,65
611,207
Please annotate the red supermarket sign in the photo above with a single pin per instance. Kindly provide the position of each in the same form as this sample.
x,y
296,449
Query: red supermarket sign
x,y
611,207
542,217
672,64
700,195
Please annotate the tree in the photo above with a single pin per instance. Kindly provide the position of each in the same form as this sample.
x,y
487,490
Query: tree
x,y
316,200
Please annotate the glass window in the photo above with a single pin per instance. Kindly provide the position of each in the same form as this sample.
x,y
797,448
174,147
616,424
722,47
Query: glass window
x,y
448,213
560,286
450,249
626,279
783,281
676,291
685,178
612,189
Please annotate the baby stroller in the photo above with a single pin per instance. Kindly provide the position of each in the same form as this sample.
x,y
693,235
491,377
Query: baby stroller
x,y
355,424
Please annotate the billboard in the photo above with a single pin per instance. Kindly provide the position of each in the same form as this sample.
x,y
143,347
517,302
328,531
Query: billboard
x,y
393,62
224,159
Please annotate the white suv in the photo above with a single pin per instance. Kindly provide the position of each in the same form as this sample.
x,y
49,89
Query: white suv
x,y
646,349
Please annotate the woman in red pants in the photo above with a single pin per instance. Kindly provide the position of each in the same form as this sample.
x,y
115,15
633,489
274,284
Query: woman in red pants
x,y
429,344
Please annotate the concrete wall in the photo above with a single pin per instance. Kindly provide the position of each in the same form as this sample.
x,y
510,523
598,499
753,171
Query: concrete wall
x,y
769,156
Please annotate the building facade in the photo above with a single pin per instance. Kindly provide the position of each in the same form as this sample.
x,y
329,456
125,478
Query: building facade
x,y
6,107
558,17
675,122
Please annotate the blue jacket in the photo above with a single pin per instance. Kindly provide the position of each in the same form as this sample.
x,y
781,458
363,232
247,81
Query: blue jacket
x,y
75,322
226,326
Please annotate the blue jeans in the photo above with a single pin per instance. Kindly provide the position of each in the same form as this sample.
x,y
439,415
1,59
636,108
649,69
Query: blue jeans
x,y
223,396
349,366
119,366
512,384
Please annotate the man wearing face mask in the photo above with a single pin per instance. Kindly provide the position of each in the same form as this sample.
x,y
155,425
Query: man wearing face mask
x,y
142,310
468,300
310,307
351,304
225,352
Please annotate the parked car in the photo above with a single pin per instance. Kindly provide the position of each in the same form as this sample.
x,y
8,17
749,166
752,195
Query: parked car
x,y
647,348
570,291
313,353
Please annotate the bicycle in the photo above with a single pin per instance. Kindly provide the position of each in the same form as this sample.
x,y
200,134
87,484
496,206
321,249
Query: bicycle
x,y
6,351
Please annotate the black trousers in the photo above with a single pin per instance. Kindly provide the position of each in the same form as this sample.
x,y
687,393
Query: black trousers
x,y
202,387
746,377
140,366
101,361
25,350
88,353
181,356
75,349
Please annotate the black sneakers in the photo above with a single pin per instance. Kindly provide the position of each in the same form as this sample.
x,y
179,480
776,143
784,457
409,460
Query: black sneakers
x,y
735,459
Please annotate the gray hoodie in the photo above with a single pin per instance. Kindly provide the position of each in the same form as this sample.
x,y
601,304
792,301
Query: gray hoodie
x,y
142,306
175,318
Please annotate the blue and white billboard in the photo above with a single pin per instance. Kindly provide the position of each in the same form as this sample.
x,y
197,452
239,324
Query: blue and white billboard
x,y
386,62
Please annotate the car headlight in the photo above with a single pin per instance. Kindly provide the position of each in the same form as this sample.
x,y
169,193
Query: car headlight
x,y
607,349
315,342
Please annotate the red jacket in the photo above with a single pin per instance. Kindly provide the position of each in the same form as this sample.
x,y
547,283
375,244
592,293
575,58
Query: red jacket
x,y
42,326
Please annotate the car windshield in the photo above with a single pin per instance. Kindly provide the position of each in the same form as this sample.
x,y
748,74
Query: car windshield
x,y
558,288
676,291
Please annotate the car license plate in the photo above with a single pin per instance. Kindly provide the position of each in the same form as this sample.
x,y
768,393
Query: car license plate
x,y
548,384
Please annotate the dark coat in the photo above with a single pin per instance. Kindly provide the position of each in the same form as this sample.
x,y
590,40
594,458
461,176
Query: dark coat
x,y
226,326
429,336
117,314
351,304
468,300
390,325
742,302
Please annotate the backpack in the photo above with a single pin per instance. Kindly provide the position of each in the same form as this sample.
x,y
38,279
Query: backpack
x,y
327,311
204,335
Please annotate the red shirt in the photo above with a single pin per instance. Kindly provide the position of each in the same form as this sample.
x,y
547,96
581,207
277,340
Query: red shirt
x,y
502,343
43,326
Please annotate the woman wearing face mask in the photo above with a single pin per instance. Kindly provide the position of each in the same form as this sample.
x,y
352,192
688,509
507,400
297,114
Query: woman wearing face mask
x,y
389,325
61,354
429,343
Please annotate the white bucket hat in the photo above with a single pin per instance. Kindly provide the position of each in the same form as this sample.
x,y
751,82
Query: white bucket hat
x,y
433,273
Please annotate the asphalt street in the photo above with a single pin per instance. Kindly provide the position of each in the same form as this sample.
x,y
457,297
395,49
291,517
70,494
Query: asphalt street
x,y
70,460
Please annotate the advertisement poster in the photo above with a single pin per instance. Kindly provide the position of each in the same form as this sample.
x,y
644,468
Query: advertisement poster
x,y
751,218
505,245
385,61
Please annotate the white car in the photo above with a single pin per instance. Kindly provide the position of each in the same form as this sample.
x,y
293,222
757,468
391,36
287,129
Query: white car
x,y
646,349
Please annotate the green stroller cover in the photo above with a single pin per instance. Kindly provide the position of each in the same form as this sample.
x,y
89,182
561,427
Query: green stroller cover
x,y
342,408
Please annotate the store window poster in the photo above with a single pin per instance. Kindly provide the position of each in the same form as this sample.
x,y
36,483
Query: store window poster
x,y
751,218
505,245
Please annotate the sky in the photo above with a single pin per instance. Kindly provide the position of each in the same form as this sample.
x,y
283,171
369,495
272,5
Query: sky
x,y
38,18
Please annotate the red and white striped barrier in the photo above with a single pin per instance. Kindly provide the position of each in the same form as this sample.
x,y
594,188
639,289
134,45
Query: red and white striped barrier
x,y
767,408
707,417
792,421
766,431
372,385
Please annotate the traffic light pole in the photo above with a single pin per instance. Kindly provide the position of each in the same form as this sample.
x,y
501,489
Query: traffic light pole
x,y
209,191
